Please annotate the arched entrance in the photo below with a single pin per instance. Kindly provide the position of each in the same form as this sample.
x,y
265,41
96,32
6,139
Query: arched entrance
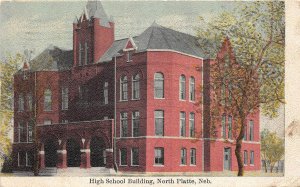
x,y
98,157
50,148
73,153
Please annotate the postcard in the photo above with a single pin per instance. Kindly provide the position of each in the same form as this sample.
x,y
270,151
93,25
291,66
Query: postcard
x,y
149,93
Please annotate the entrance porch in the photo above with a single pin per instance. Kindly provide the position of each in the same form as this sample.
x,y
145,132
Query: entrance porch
x,y
76,144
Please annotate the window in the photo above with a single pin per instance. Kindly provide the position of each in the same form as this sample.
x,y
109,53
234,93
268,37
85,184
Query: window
x,y
223,93
193,156
47,122
134,156
229,93
47,100
159,122
129,56
183,156
123,157
136,87
124,124
135,123
251,157
245,133
192,124
251,130
21,103
22,137
159,85
182,87
86,53
80,55
182,123
29,158
159,156
230,127
29,102
21,158
105,93
224,126
245,157
192,89
64,121
83,92
124,88
65,98
30,131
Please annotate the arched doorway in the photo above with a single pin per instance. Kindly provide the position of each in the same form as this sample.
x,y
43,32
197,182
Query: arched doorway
x,y
98,157
73,153
50,148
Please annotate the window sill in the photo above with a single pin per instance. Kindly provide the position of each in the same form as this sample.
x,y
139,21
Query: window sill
x,y
65,109
193,165
159,98
123,165
251,164
156,165
192,101
123,100
135,165
182,99
135,99
182,165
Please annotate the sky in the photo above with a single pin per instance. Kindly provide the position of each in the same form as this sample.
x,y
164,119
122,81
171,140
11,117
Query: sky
x,y
36,25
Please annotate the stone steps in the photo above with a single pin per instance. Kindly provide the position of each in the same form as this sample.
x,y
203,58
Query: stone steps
x,y
75,171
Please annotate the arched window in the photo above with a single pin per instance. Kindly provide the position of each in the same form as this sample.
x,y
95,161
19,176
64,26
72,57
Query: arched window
x,y
124,88
47,100
182,87
192,89
159,85
136,87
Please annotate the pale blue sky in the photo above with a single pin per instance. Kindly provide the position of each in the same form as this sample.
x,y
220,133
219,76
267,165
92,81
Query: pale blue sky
x,y
36,25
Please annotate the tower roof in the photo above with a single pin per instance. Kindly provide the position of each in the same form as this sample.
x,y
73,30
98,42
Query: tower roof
x,y
95,9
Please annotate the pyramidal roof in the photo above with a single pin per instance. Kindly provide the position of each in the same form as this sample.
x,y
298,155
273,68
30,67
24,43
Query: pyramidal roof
x,y
95,9
157,37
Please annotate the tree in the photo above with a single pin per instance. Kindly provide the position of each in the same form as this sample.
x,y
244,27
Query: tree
x,y
272,148
250,77
8,67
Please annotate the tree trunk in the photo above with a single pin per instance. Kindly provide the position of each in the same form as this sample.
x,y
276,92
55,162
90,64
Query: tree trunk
x,y
265,165
238,147
239,159
271,169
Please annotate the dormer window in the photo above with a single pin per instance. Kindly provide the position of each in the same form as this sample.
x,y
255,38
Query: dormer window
x,y
129,49
129,56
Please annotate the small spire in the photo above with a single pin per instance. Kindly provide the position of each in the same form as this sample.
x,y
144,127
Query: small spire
x,y
75,20
154,24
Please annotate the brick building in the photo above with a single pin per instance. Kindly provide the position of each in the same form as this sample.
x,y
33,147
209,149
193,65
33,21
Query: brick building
x,y
127,104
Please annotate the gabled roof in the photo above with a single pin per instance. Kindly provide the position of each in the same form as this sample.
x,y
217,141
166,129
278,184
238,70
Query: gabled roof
x,y
52,59
161,38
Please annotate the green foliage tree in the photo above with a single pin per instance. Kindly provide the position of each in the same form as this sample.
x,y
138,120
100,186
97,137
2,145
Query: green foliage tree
x,y
254,78
272,148
8,67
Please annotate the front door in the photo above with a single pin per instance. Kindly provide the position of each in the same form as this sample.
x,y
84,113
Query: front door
x,y
98,157
227,158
